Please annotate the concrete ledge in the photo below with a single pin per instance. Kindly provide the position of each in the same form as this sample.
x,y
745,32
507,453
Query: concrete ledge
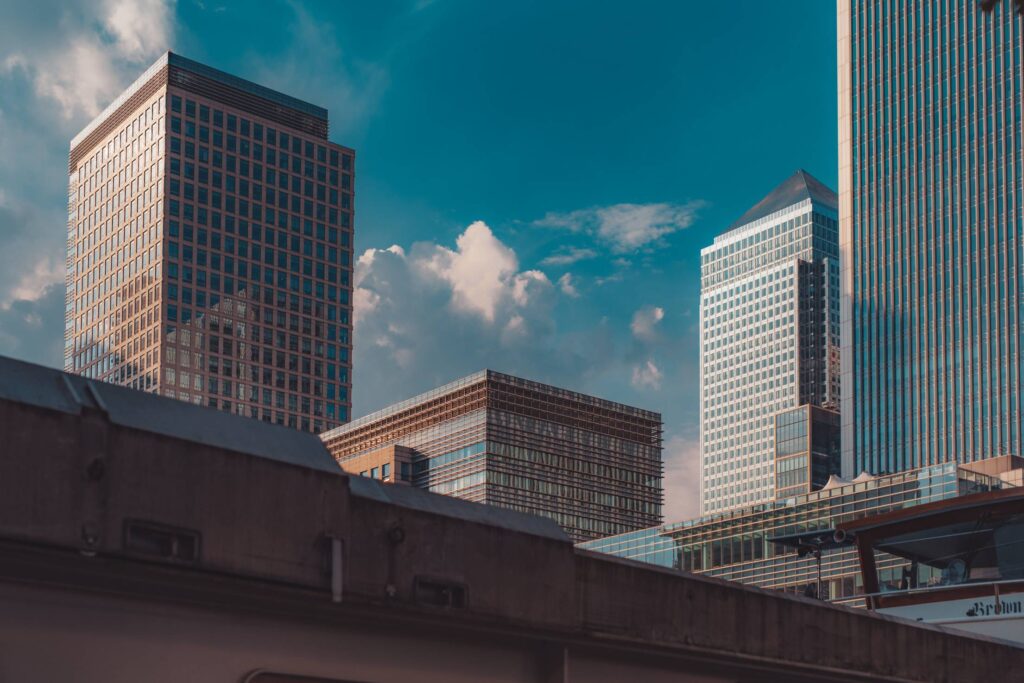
x,y
413,564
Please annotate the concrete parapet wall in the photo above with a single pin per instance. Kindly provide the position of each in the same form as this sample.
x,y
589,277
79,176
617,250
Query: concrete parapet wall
x,y
474,581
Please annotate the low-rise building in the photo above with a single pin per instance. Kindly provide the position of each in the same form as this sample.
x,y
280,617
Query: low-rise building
x,y
737,545
592,465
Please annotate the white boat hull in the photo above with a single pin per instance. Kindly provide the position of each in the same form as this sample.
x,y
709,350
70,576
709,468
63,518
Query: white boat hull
x,y
975,615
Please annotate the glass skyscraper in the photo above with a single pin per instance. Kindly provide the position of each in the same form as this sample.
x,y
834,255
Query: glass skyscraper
x,y
209,248
594,466
931,167
769,337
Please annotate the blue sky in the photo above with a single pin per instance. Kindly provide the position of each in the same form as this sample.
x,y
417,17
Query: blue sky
x,y
534,179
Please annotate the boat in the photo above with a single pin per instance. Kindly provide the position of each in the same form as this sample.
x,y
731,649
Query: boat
x,y
957,563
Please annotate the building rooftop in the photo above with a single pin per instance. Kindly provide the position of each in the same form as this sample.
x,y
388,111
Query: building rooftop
x,y
170,59
821,501
52,389
796,188
476,378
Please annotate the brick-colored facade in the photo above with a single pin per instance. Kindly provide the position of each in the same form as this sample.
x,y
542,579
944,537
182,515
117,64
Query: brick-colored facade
x,y
210,248
592,465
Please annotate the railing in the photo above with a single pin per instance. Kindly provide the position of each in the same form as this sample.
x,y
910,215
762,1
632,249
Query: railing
x,y
948,586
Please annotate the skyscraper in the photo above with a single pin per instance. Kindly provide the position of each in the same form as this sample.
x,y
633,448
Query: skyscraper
x,y
594,466
209,248
931,166
769,340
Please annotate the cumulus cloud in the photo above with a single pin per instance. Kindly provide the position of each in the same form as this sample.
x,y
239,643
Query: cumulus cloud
x,y
646,375
645,322
139,26
33,329
435,312
626,227
27,267
682,478
60,64
566,256
88,52
482,272
567,284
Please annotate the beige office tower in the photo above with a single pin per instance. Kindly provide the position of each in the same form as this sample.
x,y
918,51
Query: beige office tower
x,y
209,253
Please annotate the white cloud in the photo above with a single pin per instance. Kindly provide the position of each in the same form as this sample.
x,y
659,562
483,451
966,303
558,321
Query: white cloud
x,y
626,227
482,272
617,276
61,62
90,53
139,26
568,286
364,301
434,313
682,478
33,329
46,272
645,322
646,376
27,267
567,256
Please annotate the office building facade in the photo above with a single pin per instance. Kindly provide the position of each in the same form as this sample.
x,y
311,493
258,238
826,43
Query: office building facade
x,y
769,335
931,171
807,451
592,465
209,248
737,545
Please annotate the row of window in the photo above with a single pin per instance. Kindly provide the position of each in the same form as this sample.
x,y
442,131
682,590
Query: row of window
x,y
243,127
383,472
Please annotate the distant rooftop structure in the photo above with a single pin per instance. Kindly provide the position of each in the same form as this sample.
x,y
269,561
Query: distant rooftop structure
x,y
592,465
189,74
796,188
476,378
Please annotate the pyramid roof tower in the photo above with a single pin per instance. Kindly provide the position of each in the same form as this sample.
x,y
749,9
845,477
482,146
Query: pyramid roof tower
x,y
797,187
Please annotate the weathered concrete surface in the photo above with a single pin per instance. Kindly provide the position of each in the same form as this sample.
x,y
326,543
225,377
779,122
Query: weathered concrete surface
x,y
522,603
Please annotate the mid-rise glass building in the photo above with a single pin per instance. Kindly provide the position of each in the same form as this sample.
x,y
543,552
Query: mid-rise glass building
x,y
931,166
806,449
209,248
592,465
737,544
769,335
